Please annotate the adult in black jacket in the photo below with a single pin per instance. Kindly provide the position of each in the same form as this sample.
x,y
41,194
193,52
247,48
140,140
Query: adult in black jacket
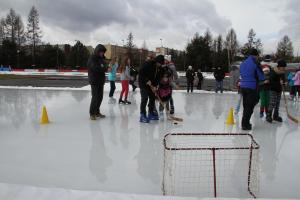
x,y
148,79
219,75
96,73
190,75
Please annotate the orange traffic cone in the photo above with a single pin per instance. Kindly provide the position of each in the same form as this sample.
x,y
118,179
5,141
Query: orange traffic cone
x,y
230,119
44,117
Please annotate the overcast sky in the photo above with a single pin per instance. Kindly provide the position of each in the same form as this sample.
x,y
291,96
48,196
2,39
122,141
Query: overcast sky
x,y
173,21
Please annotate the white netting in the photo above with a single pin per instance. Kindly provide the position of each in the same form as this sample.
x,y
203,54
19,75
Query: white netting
x,y
208,165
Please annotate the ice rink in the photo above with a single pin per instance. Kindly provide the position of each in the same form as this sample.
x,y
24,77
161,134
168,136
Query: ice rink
x,y
119,154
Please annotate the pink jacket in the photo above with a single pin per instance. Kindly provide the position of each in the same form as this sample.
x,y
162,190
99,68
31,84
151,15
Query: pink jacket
x,y
297,78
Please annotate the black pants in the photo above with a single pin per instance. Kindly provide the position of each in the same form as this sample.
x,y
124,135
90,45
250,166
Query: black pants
x,y
199,85
132,83
97,96
190,85
250,99
147,94
112,88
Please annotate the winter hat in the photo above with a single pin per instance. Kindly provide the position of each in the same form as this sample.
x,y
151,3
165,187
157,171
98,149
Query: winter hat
x,y
168,58
254,52
190,67
160,59
281,63
267,58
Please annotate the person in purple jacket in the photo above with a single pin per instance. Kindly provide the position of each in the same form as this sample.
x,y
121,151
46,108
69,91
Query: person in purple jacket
x,y
251,74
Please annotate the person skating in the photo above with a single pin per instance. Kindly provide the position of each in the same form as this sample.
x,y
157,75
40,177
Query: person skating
x,y
190,75
113,66
96,74
125,77
277,79
200,79
175,79
148,79
251,73
297,84
133,75
165,77
292,86
219,75
264,92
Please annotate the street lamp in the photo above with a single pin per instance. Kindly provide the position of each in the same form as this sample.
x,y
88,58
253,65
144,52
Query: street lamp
x,y
57,64
18,58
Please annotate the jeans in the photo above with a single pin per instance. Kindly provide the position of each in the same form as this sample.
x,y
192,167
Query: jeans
x,y
112,88
219,86
147,94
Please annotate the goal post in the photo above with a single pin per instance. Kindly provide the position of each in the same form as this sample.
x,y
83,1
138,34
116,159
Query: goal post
x,y
211,165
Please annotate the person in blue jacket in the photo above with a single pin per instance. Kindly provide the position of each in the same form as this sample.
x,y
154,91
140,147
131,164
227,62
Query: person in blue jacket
x,y
251,74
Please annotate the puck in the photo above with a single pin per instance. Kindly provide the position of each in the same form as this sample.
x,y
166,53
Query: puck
x,y
175,123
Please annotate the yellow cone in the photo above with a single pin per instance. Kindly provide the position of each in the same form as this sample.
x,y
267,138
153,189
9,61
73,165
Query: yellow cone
x,y
230,119
44,118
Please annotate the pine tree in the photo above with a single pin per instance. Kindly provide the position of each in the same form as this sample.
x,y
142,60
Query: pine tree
x,y
285,49
130,45
33,31
252,43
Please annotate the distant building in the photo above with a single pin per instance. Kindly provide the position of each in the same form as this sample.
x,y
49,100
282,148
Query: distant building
x,y
120,51
167,51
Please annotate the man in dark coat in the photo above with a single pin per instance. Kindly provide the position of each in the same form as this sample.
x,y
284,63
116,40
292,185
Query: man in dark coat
x,y
219,75
96,73
148,80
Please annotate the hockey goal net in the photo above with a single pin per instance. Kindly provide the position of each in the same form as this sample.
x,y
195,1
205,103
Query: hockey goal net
x,y
211,165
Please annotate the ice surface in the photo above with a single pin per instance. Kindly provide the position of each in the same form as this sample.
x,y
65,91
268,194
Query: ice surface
x,y
119,154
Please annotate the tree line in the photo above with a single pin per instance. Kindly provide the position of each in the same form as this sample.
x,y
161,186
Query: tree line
x,y
207,52
22,48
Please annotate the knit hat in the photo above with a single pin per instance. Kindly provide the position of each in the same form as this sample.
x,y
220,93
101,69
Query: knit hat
x,y
254,52
267,58
281,63
160,59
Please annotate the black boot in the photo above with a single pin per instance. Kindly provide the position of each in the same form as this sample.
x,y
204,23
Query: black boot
x,y
268,117
277,118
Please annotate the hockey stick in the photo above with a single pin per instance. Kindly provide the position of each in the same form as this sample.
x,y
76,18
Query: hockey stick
x,y
238,106
170,117
286,108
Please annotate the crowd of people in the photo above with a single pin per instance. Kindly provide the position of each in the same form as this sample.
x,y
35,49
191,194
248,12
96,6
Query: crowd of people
x,y
259,81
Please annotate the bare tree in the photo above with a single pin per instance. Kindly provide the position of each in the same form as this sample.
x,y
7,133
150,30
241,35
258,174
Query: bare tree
x,y
232,45
10,25
34,33
2,30
20,35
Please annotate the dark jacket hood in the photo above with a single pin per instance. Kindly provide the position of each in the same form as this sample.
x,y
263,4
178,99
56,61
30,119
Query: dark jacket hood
x,y
99,48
